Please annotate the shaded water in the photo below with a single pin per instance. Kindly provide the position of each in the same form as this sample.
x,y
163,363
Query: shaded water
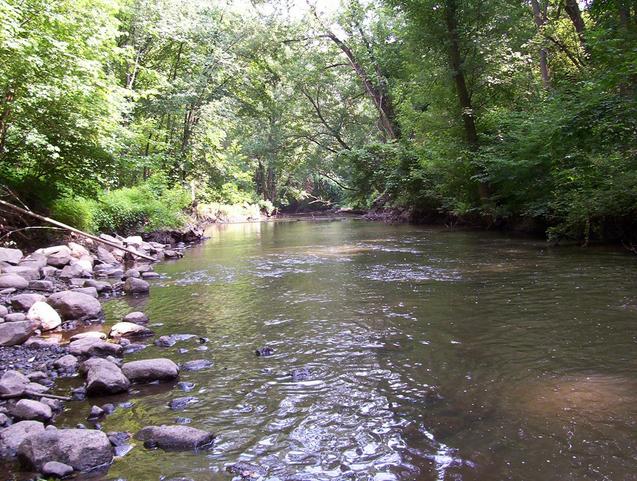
x,y
433,355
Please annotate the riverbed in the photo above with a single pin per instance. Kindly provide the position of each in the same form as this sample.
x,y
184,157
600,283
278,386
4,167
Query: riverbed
x,y
417,354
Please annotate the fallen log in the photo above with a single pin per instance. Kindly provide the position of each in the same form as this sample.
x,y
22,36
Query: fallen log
x,y
73,229
35,394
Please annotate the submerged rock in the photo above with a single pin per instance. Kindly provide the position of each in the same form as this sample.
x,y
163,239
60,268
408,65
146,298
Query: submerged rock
x,y
264,351
196,365
82,449
175,437
181,403
148,370
246,470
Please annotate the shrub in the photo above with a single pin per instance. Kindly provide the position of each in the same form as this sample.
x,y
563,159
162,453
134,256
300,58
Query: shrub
x,y
77,212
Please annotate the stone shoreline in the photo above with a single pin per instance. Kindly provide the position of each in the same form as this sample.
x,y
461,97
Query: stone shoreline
x,y
48,301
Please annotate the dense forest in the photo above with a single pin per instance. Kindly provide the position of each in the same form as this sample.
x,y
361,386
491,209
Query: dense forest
x,y
120,114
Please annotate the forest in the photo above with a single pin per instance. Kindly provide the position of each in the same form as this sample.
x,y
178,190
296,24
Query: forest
x,y
119,115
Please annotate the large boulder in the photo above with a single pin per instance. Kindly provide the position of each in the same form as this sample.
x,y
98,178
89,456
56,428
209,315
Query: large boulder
x,y
91,346
13,333
13,384
82,449
75,305
136,286
30,273
44,316
174,437
12,437
149,370
129,329
28,409
10,256
23,302
104,377
13,281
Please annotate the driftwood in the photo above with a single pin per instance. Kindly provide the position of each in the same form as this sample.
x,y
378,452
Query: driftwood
x,y
73,229
36,394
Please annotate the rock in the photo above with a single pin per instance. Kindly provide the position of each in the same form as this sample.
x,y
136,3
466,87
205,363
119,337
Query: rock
x,y
105,256
10,256
172,254
150,275
247,470
13,281
56,256
78,250
4,421
34,261
91,334
132,273
43,315
136,318
15,317
128,329
186,386
82,449
50,272
90,346
301,374
28,409
174,437
100,286
41,342
118,438
109,271
12,437
149,370
136,286
181,403
104,377
13,384
75,271
66,363
96,413
44,286
37,376
54,469
196,365
3,311
89,291
27,272
182,420
23,302
75,305
12,333
264,351
56,405
169,341
134,240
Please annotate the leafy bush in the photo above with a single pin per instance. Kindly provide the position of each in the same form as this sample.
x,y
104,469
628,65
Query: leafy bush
x,y
77,212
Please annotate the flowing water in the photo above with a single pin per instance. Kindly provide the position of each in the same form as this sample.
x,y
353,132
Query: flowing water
x,y
430,355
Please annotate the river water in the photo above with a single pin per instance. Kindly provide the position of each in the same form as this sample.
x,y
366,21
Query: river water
x,y
430,355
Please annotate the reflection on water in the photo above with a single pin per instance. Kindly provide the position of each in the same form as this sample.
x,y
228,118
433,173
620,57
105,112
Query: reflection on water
x,y
401,353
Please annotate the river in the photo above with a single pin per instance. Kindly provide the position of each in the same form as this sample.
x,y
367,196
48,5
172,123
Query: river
x,y
431,355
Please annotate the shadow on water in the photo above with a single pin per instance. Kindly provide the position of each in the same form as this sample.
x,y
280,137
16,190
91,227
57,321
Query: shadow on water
x,y
401,353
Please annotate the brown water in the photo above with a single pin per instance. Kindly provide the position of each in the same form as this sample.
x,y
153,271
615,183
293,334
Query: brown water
x,y
433,355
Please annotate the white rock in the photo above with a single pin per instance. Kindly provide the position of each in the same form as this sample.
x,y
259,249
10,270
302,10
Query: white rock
x,y
44,315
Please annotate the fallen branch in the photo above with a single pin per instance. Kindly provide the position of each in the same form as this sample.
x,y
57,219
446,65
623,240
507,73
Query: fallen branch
x,y
73,229
35,394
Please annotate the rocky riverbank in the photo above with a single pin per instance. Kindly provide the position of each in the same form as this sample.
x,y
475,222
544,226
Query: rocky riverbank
x,y
49,309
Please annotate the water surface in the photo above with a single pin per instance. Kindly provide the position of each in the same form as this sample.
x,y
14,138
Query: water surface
x,y
432,355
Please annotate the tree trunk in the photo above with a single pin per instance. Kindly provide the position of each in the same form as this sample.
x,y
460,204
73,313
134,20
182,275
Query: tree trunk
x,y
575,14
539,16
455,59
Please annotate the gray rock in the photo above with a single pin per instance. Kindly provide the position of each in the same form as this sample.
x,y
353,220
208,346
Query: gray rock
x,y
100,286
74,271
12,333
3,311
132,273
149,370
66,363
15,317
41,342
128,329
23,302
104,377
12,437
181,403
13,281
196,365
54,469
136,318
44,316
89,291
44,286
27,272
56,405
96,413
34,261
136,286
105,256
77,250
50,272
174,437
28,409
75,305
90,346
150,275
10,256
247,470
13,384
56,256
83,449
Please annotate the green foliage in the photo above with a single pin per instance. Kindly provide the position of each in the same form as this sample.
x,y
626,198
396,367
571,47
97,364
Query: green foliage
x,y
77,212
